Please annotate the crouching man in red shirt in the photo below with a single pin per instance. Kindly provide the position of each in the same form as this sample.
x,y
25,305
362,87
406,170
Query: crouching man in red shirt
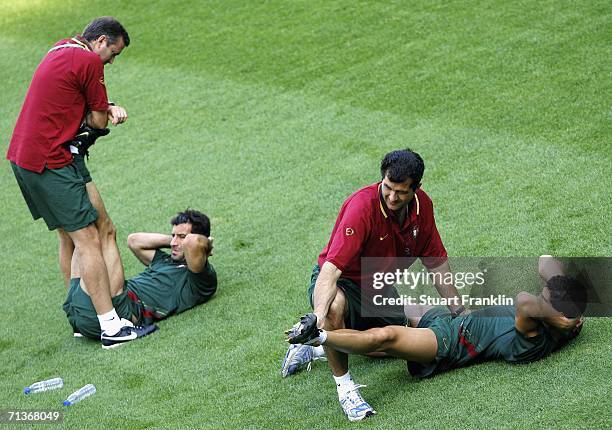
x,y
387,220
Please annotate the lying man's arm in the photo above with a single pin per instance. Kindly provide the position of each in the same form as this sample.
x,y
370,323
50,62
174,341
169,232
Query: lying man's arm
x,y
446,288
144,245
197,249
530,310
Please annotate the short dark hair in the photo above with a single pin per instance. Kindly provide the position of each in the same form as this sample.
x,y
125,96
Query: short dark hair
x,y
402,164
200,224
567,295
106,26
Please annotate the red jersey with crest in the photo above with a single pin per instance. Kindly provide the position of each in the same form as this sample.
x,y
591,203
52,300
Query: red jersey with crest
x,y
67,83
365,227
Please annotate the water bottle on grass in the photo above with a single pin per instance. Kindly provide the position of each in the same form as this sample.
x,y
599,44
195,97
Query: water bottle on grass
x,y
49,384
79,395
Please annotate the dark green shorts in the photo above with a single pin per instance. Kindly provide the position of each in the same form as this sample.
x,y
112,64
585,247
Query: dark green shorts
x,y
354,318
82,314
440,321
59,196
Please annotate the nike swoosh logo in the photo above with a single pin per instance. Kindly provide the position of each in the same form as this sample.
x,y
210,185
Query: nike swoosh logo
x,y
133,335
383,237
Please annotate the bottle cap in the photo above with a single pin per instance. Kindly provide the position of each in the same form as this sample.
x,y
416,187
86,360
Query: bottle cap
x,y
27,390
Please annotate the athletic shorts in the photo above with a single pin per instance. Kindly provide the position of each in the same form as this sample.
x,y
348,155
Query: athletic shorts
x,y
440,321
82,314
354,318
59,196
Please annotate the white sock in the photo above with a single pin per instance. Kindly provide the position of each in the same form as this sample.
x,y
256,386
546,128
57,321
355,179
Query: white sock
x,y
344,383
318,351
322,337
110,322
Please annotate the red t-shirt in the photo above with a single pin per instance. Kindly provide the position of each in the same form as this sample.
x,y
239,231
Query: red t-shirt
x,y
67,83
365,227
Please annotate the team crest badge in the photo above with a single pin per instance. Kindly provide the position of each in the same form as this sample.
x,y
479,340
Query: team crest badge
x,y
349,231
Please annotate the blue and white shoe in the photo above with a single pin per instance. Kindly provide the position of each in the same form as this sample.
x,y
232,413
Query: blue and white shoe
x,y
297,357
354,406
127,333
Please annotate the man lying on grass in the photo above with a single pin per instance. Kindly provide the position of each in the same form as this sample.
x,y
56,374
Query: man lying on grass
x,y
528,331
171,283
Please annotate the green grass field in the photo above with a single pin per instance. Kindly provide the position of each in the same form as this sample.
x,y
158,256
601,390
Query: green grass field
x,y
267,115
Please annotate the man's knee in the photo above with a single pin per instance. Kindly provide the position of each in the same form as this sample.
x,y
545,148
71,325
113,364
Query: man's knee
x,y
106,228
64,238
86,238
335,315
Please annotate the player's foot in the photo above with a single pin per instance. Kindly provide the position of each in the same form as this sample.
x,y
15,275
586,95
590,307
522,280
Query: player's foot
x,y
305,331
127,333
297,357
354,406
85,138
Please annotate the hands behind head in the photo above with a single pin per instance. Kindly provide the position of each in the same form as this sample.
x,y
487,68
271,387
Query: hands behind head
x,y
567,324
194,240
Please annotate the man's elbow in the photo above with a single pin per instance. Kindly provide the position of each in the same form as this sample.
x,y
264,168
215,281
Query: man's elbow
x,y
331,269
524,303
97,119
132,241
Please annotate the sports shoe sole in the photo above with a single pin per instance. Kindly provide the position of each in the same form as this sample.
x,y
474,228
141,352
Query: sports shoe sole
x,y
367,415
305,331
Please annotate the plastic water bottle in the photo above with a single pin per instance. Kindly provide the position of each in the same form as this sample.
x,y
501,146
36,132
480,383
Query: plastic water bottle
x,y
79,395
39,387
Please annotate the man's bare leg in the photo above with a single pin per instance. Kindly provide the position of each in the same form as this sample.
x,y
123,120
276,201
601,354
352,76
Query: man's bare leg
x,y
92,268
413,344
116,287
353,405
118,330
108,241
337,360
66,250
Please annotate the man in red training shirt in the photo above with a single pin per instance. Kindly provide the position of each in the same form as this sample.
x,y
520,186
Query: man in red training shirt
x,y
68,89
387,220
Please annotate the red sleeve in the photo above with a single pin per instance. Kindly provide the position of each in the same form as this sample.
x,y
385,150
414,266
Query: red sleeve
x,y
91,74
350,233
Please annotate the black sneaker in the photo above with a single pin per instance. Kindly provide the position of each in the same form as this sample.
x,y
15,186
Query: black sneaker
x,y
304,331
126,334
86,137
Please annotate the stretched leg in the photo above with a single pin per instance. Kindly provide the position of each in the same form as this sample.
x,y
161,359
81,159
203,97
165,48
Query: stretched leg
x,y
108,241
413,344
337,360
91,267
66,251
